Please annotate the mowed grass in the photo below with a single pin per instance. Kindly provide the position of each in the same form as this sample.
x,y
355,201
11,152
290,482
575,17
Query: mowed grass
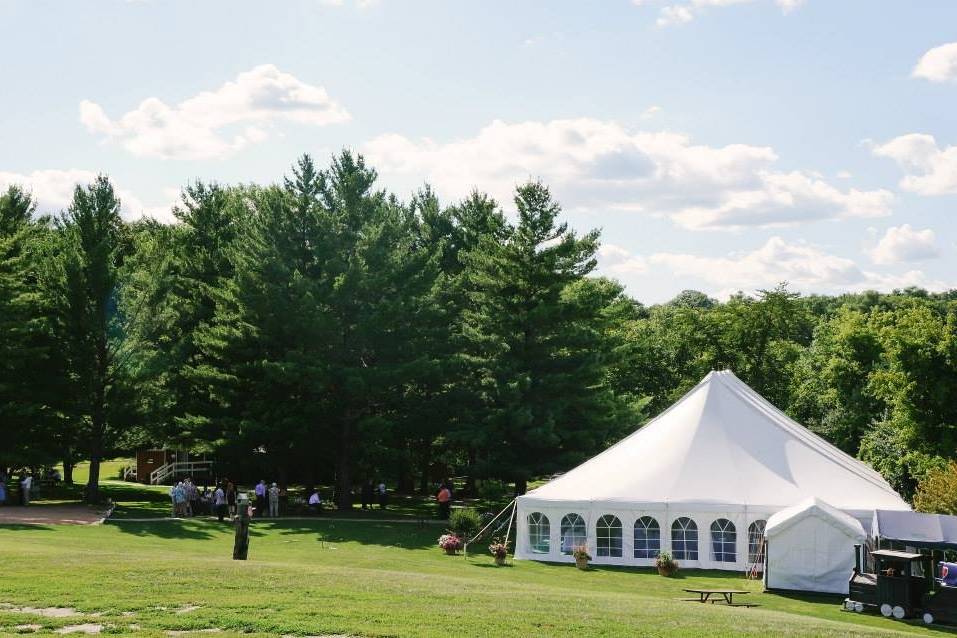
x,y
367,579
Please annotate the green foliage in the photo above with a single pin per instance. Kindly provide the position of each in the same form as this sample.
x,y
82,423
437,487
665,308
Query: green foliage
x,y
937,492
464,522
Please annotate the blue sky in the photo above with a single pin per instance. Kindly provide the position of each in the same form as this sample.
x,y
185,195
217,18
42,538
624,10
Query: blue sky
x,y
720,144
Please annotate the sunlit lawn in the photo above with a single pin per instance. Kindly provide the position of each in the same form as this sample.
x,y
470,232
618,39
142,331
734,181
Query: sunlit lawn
x,y
366,579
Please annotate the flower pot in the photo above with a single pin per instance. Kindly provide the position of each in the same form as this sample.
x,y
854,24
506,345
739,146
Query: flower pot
x,y
666,570
500,560
581,563
451,551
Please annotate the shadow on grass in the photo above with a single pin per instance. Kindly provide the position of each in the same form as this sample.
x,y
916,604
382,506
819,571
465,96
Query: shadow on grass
x,y
24,527
170,528
401,535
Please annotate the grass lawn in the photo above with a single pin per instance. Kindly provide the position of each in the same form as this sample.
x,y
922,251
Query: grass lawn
x,y
365,579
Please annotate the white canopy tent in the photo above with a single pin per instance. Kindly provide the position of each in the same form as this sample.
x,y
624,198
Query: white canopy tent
x,y
810,547
700,481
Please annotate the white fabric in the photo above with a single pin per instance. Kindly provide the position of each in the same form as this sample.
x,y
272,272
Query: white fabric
x,y
916,528
721,451
811,547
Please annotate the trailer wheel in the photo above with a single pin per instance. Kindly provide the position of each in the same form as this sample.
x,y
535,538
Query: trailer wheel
x,y
858,607
886,610
849,604
899,612
928,618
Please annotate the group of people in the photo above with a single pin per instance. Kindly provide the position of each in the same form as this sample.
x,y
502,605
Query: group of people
x,y
24,487
372,493
188,500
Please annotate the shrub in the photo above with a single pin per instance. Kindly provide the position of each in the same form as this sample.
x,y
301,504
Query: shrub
x,y
666,562
498,549
464,523
450,541
581,551
937,492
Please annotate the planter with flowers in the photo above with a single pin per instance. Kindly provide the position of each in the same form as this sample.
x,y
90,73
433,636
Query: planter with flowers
x,y
666,565
580,552
499,550
450,543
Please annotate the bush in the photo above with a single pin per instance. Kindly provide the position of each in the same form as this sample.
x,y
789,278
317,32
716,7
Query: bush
x,y
937,492
464,523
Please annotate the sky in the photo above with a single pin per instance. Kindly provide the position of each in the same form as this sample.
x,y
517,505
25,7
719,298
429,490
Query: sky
x,y
720,145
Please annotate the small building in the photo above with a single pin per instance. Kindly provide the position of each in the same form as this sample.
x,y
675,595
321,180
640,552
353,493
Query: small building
x,y
156,467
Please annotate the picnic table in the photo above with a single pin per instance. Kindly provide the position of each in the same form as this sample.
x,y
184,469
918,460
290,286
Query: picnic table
x,y
705,596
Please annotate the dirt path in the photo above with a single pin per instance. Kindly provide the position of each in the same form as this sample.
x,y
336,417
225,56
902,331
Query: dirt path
x,y
50,515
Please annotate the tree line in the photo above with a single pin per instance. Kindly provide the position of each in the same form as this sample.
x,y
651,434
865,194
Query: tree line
x,y
324,330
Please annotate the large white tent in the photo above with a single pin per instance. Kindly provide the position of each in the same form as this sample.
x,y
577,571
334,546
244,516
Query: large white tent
x,y
699,481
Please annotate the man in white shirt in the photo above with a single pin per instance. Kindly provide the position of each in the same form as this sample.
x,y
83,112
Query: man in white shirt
x,y
219,502
26,484
315,502
261,498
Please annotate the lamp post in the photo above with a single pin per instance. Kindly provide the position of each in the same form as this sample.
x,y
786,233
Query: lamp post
x,y
244,511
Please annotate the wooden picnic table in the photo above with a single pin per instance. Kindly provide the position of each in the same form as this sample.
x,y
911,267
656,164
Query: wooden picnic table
x,y
705,595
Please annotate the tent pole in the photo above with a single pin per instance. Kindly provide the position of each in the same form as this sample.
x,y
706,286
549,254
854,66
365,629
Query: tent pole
x,y
465,547
508,530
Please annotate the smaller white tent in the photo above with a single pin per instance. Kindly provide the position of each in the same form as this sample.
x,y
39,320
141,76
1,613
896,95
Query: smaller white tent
x,y
810,547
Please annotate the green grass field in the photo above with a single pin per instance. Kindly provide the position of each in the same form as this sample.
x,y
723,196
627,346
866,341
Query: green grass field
x,y
368,578
365,579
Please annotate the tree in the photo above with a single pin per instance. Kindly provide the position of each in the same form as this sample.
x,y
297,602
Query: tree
x,y
535,330
937,492
92,254
29,361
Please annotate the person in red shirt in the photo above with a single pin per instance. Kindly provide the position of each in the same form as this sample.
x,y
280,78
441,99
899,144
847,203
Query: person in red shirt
x,y
444,499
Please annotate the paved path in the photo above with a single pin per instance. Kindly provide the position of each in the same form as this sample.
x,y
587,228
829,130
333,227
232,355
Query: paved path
x,y
50,515
334,519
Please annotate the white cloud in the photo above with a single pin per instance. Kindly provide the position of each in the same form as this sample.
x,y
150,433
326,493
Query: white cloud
x,y
616,261
903,243
939,64
593,163
685,12
53,191
651,112
216,123
931,170
805,267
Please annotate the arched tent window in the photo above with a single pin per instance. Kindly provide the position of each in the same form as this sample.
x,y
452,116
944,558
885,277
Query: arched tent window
x,y
755,541
538,533
647,537
608,536
573,532
723,541
684,539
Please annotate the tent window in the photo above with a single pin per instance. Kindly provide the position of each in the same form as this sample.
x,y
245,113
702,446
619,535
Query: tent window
x,y
573,532
647,537
755,539
684,539
538,532
608,536
723,541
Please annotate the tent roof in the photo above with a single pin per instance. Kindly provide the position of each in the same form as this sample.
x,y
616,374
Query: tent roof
x,y
814,508
723,445
916,528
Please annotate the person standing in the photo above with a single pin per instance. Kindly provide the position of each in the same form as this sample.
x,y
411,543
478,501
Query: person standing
x,y
26,483
261,497
274,501
444,499
3,492
383,496
231,497
219,502
367,490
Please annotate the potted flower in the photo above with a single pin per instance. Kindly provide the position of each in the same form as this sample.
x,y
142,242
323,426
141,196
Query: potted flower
x,y
450,543
666,565
499,550
580,552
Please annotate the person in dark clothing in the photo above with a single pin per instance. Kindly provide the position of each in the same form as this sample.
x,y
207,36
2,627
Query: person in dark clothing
x,y
367,491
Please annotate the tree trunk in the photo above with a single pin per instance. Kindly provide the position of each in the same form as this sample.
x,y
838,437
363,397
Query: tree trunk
x,y
521,486
344,468
93,484
68,468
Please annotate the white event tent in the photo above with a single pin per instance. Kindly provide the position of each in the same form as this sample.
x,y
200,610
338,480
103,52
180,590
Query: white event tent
x,y
699,481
